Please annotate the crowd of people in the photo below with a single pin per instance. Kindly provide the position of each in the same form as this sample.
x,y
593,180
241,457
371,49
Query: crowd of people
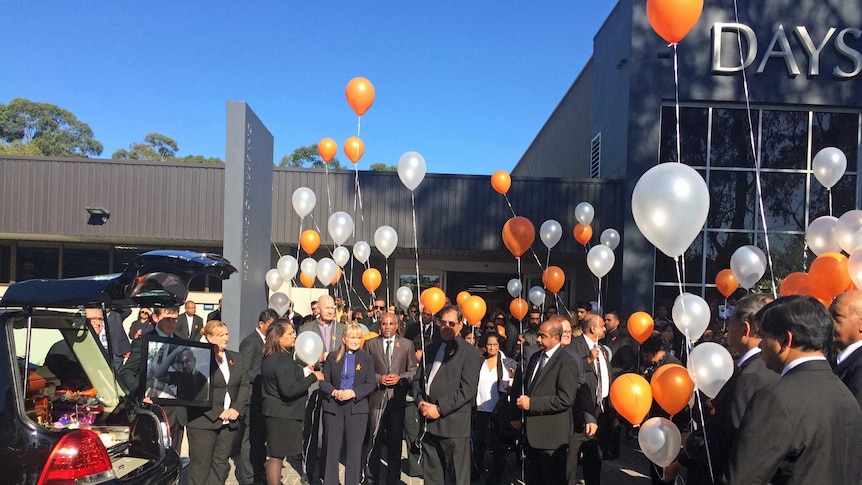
x,y
463,397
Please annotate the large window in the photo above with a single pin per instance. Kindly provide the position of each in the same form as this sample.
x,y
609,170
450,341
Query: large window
x,y
724,145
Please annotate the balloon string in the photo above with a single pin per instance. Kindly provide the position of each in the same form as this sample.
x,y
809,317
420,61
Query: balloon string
x,y
358,125
299,241
326,176
358,196
387,283
275,246
510,205
676,105
416,247
560,303
829,192
523,365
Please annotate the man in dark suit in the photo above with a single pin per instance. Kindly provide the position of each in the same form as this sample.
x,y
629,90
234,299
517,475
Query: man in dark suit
x,y
749,376
395,368
425,325
251,463
846,310
551,379
806,427
583,408
624,358
215,314
445,389
189,325
166,322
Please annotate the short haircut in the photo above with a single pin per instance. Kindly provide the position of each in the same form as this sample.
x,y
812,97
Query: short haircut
x,y
555,328
585,306
802,316
614,313
161,309
655,343
450,308
746,310
268,315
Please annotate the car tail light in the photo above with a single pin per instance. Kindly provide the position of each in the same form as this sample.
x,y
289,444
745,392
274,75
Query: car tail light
x,y
79,457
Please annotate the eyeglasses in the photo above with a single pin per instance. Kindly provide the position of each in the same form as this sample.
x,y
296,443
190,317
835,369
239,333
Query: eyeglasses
x,y
412,311
146,314
567,332
501,318
378,307
449,323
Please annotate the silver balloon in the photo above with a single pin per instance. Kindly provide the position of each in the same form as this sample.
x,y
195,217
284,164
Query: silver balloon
x,y
304,201
854,266
361,251
710,367
326,270
340,227
691,315
308,347
279,302
287,267
308,267
670,203
551,232
848,230
748,263
820,236
584,213
610,238
411,169
514,287
829,165
404,295
273,279
386,239
600,260
364,328
341,255
660,440
537,295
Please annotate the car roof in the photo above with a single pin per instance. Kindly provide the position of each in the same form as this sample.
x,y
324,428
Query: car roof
x,y
155,278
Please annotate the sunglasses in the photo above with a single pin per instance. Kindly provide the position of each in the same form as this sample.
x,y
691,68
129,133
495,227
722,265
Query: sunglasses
x,y
449,323
377,307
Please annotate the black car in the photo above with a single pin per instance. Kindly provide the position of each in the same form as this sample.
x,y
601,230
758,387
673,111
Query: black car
x,y
64,418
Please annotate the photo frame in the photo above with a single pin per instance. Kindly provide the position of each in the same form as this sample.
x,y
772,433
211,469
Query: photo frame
x,y
177,372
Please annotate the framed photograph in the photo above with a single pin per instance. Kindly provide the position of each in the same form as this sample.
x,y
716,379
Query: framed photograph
x,y
177,372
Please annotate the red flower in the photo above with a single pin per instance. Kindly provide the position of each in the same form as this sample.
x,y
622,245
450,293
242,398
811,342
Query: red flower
x,y
229,362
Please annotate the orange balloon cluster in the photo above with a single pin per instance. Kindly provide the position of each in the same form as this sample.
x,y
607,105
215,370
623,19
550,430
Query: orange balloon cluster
x,y
632,397
462,297
360,95
309,240
337,276
518,235
673,19
327,148
371,279
640,326
554,279
433,299
583,234
501,182
474,309
726,282
354,148
827,277
518,308
672,387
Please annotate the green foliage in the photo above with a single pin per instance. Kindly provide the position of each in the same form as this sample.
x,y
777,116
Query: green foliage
x,y
159,148
55,131
18,147
307,157
382,167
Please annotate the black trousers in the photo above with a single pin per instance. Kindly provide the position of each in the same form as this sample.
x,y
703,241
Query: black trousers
x,y
313,466
445,460
209,453
580,444
484,435
250,458
389,433
545,467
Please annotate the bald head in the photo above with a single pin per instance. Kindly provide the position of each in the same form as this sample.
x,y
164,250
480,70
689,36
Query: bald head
x,y
593,326
326,304
846,311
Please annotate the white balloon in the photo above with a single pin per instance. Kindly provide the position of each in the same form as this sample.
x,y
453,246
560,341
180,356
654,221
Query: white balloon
x,y
273,279
710,366
411,169
386,239
287,267
364,328
820,235
341,255
308,347
404,295
537,295
748,263
854,266
584,213
829,165
670,203
514,287
279,302
610,238
660,440
691,315
308,267
848,230
551,232
361,251
304,201
600,260
326,270
340,227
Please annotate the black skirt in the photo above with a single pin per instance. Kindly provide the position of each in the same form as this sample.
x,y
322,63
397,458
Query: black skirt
x,y
283,437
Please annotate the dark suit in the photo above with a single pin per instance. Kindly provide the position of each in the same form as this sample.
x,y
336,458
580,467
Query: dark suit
x,y
592,459
251,463
850,373
194,333
144,327
624,358
583,413
285,390
120,345
446,444
211,441
346,421
805,428
388,402
414,328
214,315
549,420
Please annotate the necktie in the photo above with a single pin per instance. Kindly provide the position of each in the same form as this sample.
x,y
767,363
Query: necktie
x,y
388,355
599,375
542,360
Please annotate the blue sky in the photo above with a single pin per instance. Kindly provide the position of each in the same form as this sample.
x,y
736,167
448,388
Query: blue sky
x,y
466,84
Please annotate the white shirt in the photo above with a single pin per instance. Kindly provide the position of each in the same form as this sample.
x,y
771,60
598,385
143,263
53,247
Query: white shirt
x,y
849,350
489,387
751,353
800,361
605,377
224,367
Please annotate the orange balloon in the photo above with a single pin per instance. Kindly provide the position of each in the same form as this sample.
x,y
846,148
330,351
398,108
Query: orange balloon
x,y
518,308
354,148
327,148
433,299
554,278
337,276
501,181
371,279
632,397
462,297
307,281
583,234
673,19
640,326
726,282
817,292
830,272
310,241
474,310
791,283
518,235
672,387
360,95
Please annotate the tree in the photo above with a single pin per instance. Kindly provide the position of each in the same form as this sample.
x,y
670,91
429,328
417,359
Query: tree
x,y
382,167
55,131
18,147
307,157
158,147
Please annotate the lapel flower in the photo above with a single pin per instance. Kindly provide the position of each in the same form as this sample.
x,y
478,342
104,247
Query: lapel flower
x,y
397,344
451,352
358,366
229,362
